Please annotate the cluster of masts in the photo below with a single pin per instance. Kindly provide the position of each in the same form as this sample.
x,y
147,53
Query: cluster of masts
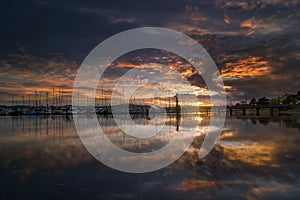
x,y
42,98
59,97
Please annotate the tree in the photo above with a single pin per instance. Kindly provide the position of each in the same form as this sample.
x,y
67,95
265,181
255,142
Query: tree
x,y
252,101
263,101
275,101
290,99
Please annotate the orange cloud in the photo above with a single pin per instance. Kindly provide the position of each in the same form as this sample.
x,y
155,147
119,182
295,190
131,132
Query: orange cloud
x,y
235,3
249,23
194,13
25,73
227,19
251,5
247,68
185,69
194,184
127,64
190,29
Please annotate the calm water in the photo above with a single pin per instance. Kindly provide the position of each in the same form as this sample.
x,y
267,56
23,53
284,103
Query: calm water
x,y
43,158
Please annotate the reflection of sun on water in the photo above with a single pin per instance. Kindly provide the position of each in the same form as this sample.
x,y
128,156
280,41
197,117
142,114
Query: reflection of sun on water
x,y
198,118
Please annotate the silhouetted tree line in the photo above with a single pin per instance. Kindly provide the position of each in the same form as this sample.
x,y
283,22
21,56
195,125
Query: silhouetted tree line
x,y
284,99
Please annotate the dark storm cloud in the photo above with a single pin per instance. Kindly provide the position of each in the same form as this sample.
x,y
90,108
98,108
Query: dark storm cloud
x,y
74,27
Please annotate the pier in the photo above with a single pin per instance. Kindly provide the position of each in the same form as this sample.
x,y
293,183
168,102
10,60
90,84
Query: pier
x,y
258,108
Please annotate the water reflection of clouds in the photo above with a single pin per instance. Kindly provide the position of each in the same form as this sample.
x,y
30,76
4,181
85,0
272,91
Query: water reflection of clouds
x,y
248,188
250,152
25,156
259,144
38,143
243,155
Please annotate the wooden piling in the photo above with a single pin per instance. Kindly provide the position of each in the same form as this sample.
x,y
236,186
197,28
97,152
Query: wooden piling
x,y
257,112
244,111
271,111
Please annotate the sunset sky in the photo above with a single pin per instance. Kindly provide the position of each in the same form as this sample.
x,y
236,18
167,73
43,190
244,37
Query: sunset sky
x,y
255,44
